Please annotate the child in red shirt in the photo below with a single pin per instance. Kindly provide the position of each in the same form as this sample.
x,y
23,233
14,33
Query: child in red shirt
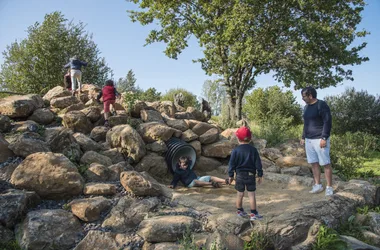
x,y
109,94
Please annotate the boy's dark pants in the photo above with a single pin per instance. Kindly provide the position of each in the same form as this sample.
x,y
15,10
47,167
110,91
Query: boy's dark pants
x,y
245,181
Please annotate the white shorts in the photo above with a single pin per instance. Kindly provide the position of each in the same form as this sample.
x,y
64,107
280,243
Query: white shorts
x,y
315,153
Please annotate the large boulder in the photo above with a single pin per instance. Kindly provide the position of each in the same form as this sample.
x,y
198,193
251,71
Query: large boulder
x,y
140,184
99,240
99,133
56,92
167,228
291,161
155,165
89,209
220,149
14,204
121,219
61,140
77,121
29,143
86,143
94,157
50,175
166,107
20,106
92,113
5,123
154,131
49,229
5,152
151,116
63,102
42,116
130,142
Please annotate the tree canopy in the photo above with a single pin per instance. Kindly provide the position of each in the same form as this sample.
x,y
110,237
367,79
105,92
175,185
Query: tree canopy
x,y
302,42
35,64
127,83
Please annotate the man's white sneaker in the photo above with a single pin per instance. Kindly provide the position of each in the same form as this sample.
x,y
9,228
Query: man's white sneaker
x,y
329,191
316,189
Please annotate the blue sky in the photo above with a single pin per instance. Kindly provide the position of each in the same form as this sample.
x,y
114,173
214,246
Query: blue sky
x,y
121,43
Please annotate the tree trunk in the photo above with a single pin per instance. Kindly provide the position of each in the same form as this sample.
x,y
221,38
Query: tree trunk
x,y
238,107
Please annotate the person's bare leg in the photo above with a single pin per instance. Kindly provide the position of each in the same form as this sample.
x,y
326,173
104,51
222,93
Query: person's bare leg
x,y
106,115
199,183
328,174
114,108
239,199
316,172
217,179
252,200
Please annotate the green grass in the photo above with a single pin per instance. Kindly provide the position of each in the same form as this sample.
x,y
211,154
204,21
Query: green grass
x,y
372,163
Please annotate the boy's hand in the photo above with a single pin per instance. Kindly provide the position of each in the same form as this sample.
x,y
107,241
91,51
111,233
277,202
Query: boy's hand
x,y
230,180
170,186
259,180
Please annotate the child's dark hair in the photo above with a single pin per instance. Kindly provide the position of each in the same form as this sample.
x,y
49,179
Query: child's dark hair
x,y
109,83
184,159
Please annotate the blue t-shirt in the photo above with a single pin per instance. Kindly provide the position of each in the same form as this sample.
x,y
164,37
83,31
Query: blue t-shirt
x,y
245,158
317,121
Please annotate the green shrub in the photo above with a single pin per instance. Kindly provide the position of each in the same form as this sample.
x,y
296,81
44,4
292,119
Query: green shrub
x,y
276,131
260,240
328,239
348,152
10,245
271,105
190,98
352,228
355,111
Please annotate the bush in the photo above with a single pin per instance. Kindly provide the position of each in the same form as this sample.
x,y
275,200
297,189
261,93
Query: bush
x,y
355,111
348,152
190,99
271,104
276,131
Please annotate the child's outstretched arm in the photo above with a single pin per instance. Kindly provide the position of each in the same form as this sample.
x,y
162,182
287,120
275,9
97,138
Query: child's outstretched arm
x,y
175,180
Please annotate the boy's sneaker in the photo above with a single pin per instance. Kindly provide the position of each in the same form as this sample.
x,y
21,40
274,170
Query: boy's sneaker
x,y
329,191
316,189
241,213
255,216
106,124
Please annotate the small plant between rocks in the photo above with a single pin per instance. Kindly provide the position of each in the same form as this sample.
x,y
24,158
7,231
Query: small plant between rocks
x,y
328,239
10,245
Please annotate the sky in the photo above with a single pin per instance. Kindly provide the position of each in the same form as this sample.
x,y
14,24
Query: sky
x,y
121,42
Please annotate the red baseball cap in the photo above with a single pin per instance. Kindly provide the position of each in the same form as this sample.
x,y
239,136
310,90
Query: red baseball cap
x,y
243,134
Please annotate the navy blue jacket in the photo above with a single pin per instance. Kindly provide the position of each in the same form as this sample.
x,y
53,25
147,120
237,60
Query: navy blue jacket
x,y
185,176
317,121
245,158
75,64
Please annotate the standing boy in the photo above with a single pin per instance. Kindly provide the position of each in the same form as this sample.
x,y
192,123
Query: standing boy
x,y
245,161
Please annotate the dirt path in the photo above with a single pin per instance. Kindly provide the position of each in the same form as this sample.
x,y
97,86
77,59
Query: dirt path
x,y
272,198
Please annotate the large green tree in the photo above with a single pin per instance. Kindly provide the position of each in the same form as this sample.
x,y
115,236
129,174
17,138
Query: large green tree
x,y
35,64
127,83
305,42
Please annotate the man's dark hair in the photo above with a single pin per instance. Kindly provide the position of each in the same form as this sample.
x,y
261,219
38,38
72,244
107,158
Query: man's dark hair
x,y
109,83
309,91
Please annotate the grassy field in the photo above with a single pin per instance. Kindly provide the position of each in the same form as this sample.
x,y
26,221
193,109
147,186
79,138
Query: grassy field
x,y
373,163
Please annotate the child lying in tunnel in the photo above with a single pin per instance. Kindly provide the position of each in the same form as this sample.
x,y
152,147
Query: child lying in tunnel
x,y
187,176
